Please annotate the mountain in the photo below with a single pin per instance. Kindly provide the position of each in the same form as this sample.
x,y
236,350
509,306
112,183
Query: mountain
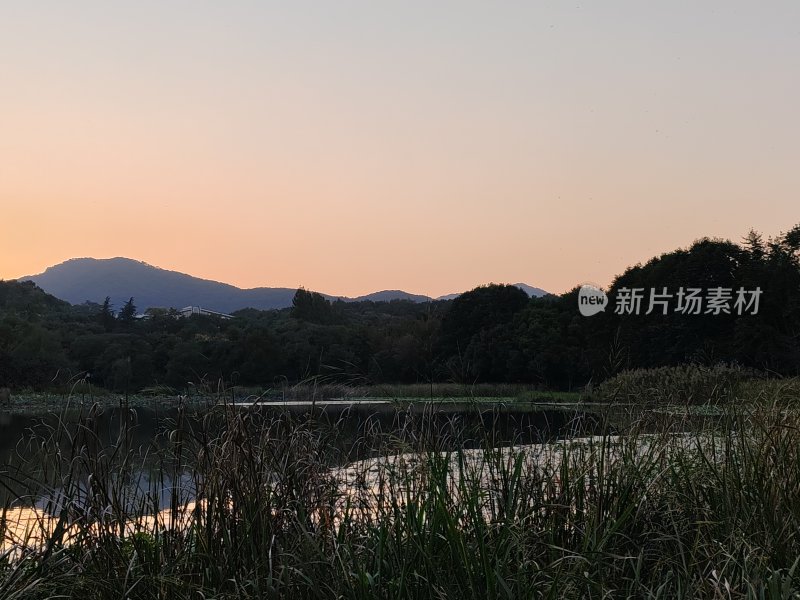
x,y
91,279
389,295
82,279
533,292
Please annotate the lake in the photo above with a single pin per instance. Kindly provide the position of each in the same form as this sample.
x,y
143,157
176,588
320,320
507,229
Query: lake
x,y
32,446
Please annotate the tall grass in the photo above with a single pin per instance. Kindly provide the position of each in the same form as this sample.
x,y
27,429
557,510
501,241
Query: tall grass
x,y
322,389
681,385
277,507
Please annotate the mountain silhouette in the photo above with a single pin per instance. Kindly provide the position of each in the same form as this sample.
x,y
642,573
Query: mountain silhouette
x,y
81,280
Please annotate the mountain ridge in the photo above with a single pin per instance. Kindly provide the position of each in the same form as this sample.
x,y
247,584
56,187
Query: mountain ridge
x,y
81,280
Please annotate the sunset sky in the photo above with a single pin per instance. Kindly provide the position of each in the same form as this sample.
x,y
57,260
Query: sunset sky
x,y
428,146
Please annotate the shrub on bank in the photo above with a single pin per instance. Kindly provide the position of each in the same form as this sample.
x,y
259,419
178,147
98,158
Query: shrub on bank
x,y
683,384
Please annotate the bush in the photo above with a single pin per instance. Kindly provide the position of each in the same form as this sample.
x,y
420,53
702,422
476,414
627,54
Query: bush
x,y
684,384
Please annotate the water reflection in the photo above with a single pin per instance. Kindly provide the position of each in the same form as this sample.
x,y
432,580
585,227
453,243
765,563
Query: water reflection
x,y
35,450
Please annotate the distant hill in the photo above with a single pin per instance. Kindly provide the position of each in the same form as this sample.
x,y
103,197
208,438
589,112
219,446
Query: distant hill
x,y
26,298
389,295
91,279
533,292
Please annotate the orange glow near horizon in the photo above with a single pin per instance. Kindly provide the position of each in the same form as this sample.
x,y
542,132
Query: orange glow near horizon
x,y
358,147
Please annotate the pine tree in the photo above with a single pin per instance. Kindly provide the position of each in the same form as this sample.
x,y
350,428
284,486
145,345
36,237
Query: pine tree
x,y
107,315
128,313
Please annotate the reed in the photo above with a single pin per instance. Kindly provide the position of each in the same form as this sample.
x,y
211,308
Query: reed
x,y
278,506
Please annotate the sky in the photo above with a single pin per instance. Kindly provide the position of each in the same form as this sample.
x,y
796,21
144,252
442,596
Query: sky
x,y
350,147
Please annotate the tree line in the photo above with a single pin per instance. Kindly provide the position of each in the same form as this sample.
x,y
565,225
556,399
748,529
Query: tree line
x,y
494,333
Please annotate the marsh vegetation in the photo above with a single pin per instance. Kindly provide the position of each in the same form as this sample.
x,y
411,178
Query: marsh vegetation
x,y
231,502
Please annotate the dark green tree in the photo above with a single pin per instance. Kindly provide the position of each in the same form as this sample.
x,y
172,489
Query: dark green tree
x,y
312,307
127,315
485,307
106,315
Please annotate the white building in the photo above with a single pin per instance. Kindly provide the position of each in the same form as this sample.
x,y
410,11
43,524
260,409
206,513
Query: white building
x,y
188,311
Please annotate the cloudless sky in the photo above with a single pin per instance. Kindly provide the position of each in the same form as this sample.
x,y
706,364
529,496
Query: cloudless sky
x,y
429,146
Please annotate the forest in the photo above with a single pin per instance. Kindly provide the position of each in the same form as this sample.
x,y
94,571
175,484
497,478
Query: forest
x,y
493,333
